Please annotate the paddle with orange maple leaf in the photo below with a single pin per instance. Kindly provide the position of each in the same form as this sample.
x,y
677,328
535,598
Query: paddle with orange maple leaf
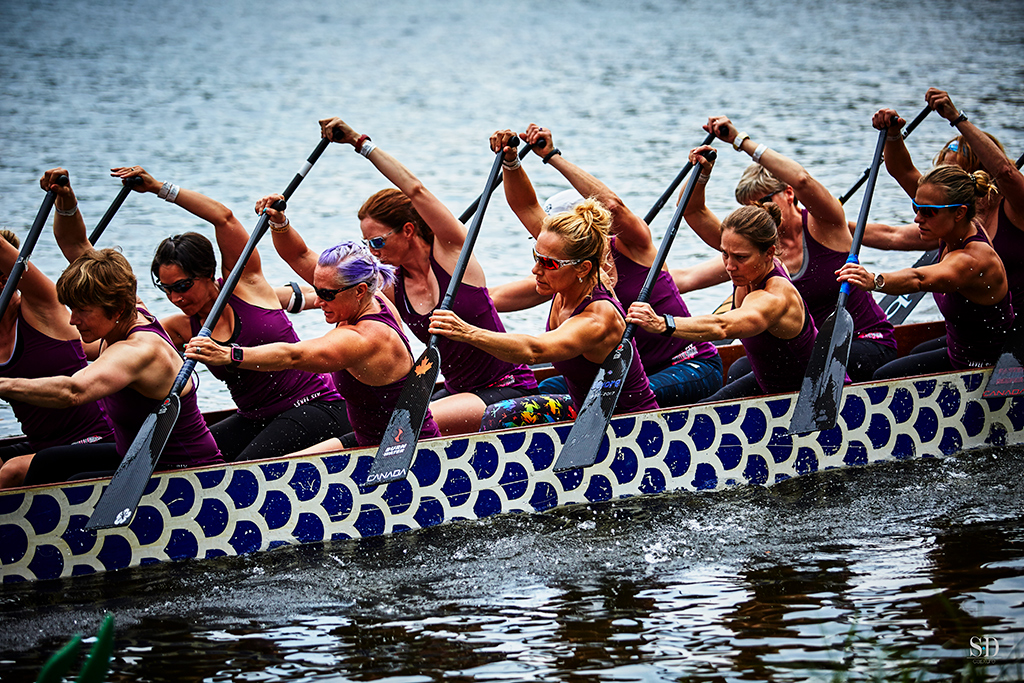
x,y
398,445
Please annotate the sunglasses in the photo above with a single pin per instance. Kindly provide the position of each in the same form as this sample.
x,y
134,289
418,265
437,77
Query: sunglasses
x,y
179,287
377,242
929,210
548,263
330,294
767,198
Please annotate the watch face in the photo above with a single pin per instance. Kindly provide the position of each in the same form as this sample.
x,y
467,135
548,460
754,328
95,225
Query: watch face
x,y
236,354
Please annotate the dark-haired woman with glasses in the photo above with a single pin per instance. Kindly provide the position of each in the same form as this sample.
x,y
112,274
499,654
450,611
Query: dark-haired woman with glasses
x,y
969,281
412,230
278,412
585,322
366,352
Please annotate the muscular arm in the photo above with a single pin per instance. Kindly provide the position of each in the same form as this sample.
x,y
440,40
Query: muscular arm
x,y
700,276
517,295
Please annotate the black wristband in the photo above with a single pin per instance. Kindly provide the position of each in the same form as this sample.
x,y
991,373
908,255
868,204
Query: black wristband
x,y
959,119
547,157
297,302
670,325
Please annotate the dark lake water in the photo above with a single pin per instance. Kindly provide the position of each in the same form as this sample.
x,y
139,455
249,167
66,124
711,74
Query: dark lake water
x,y
880,572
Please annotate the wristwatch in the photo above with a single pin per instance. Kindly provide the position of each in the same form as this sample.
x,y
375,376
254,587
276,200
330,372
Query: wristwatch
x,y
879,282
236,355
670,325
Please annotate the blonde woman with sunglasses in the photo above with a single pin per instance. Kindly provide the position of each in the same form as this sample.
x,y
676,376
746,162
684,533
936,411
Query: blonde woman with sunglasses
x,y
585,322
969,281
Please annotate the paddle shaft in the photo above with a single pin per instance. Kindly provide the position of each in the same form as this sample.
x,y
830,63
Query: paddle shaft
x,y
493,178
236,273
862,217
468,213
126,186
667,194
666,243
867,171
28,245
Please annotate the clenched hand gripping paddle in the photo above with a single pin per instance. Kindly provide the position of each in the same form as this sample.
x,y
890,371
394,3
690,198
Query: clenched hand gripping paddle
x,y
28,245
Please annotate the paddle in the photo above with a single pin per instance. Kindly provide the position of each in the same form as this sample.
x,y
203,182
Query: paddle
x,y
468,213
673,185
1007,378
817,406
120,498
398,445
584,440
126,186
28,245
867,171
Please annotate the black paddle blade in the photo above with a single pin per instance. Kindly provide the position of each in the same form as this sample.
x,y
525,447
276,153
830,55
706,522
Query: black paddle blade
x,y
398,445
817,406
898,306
117,504
584,440
1007,378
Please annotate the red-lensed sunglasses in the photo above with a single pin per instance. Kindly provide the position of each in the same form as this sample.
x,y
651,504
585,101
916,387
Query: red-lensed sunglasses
x,y
548,263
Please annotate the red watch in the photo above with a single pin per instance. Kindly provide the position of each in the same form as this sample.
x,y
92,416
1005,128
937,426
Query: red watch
x,y
236,355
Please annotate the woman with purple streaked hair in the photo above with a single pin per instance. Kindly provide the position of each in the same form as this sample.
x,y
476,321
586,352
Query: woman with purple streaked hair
x,y
367,354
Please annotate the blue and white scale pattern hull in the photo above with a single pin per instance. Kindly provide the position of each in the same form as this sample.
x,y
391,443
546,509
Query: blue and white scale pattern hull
x,y
250,507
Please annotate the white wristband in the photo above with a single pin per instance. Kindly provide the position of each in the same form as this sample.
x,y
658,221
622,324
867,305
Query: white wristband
x,y
279,227
511,165
67,212
367,148
758,151
168,192
703,178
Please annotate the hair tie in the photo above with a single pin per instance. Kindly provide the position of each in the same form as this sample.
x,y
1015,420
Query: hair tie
x,y
974,178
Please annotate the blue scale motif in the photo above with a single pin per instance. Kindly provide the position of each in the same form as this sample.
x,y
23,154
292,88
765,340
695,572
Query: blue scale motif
x,y
243,508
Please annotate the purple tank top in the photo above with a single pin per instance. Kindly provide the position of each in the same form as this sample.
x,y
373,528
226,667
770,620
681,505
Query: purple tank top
x,y
190,443
656,351
266,394
817,284
369,408
465,367
579,372
1009,244
779,364
38,355
975,333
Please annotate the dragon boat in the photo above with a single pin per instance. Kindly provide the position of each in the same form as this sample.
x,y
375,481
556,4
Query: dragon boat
x,y
256,506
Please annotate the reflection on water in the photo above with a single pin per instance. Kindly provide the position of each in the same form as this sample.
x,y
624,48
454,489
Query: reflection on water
x,y
881,570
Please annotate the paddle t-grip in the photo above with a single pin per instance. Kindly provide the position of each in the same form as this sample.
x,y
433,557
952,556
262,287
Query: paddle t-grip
x,y
279,205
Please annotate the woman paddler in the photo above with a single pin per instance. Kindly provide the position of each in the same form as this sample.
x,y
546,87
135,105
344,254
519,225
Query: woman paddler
x,y
814,241
133,372
36,340
410,229
969,282
366,351
278,412
769,316
1000,213
680,371
585,322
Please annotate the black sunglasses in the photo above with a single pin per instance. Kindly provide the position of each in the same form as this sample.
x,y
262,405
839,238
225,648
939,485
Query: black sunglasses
x,y
329,294
179,287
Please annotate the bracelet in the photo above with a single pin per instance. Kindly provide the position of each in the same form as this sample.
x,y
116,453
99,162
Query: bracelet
x,y
893,137
959,119
168,192
758,151
279,227
66,212
511,165
297,301
359,143
703,178
366,148
738,141
552,153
